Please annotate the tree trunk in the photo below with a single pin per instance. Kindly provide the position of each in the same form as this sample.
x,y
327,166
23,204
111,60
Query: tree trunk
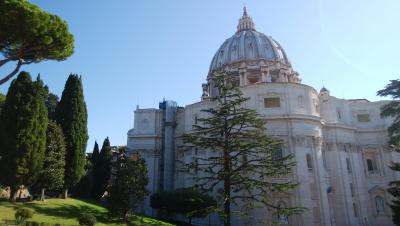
x,y
125,216
65,193
13,191
227,201
190,220
227,177
42,195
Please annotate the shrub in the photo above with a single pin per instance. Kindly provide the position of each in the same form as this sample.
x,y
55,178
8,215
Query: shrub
x,y
187,201
87,219
22,214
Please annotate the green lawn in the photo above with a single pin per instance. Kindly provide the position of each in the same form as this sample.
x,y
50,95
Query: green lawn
x,y
66,212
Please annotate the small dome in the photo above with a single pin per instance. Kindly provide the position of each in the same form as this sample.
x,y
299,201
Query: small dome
x,y
323,89
248,44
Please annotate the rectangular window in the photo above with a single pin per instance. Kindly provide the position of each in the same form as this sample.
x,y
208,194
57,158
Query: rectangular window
x,y
278,153
348,164
324,159
274,102
352,189
363,118
355,210
371,165
309,162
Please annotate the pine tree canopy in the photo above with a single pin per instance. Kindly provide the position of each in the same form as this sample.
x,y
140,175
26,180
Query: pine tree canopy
x,y
71,114
242,163
30,35
23,125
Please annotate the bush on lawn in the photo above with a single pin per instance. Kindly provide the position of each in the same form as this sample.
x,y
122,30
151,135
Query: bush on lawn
x,y
22,214
87,219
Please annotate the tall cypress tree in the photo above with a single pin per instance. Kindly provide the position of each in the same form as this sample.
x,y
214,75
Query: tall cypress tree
x,y
52,175
102,170
71,114
23,125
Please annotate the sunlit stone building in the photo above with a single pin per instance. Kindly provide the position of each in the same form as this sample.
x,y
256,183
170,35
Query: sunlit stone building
x,y
340,145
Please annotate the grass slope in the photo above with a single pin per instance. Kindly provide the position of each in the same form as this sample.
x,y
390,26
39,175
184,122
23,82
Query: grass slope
x,y
66,212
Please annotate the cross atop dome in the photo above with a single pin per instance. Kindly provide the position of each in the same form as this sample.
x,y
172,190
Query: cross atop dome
x,y
246,22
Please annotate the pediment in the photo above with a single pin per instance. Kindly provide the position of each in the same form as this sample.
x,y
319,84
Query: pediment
x,y
376,189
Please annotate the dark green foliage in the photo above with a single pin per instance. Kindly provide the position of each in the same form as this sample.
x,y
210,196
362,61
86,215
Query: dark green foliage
x,y
30,35
101,169
95,153
87,219
187,201
23,125
71,114
83,188
51,104
52,174
392,110
128,188
2,100
244,161
22,214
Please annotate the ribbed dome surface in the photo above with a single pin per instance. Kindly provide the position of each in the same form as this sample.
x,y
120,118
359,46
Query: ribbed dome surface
x,y
248,44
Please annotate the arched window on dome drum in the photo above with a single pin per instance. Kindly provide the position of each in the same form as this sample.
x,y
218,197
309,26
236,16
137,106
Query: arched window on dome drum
x,y
379,205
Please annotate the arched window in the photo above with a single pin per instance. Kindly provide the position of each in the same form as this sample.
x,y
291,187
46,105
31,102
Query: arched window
x,y
379,205
309,162
282,218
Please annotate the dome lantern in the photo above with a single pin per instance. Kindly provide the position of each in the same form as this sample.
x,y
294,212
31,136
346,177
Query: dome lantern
x,y
245,22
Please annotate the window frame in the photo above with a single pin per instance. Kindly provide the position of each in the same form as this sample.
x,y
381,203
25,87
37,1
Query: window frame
x,y
272,106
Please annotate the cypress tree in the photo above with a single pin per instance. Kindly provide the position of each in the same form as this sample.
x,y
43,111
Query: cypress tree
x,y
71,114
52,175
95,153
102,170
23,125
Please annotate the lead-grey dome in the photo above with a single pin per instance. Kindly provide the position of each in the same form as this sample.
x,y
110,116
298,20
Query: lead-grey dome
x,y
248,44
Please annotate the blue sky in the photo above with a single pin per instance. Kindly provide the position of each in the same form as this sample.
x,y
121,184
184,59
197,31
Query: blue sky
x,y
139,52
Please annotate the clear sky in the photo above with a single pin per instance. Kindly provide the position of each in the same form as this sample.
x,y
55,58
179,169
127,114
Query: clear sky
x,y
138,52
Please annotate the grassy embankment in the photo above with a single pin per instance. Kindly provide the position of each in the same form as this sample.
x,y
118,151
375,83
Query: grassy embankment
x,y
66,212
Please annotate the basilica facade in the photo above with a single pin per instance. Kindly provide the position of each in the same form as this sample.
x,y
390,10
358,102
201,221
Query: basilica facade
x,y
340,145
